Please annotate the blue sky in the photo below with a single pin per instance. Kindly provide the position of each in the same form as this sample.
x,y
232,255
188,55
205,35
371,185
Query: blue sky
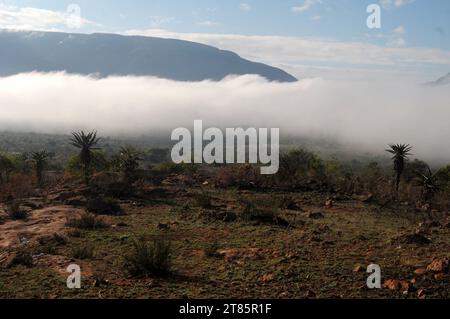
x,y
405,24
426,22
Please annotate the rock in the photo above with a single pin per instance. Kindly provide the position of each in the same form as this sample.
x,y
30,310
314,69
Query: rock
x,y
281,222
420,271
267,277
397,285
329,203
162,226
365,198
316,215
440,265
440,276
358,268
417,238
8,260
310,294
421,293
78,201
229,217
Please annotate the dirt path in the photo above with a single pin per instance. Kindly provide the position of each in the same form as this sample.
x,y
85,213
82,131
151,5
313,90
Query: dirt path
x,y
40,223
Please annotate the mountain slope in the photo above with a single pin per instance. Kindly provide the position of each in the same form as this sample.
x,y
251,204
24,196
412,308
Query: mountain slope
x,y
109,54
441,81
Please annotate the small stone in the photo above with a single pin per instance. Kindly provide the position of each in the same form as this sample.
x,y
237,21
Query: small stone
x,y
358,268
317,215
420,271
439,265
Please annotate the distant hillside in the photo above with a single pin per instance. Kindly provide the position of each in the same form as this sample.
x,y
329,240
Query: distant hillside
x,y
109,54
441,81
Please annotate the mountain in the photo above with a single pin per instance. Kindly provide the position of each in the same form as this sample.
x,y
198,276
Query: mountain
x,y
111,54
445,80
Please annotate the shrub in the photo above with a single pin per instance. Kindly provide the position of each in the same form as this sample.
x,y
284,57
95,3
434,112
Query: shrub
x,y
149,259
300,164
287,202
211,249
15,212
87,221
251,212
22,258
204,200
103,206
83,252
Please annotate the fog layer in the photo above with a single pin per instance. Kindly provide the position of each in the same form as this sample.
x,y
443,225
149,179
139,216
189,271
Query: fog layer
x,y
370,114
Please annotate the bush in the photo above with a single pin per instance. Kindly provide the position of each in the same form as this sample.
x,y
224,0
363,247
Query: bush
x,y
22,258
266,216
211,249
204,200
103,206
99,163
87,221
149,259
300,164
15,212
287,202
83,252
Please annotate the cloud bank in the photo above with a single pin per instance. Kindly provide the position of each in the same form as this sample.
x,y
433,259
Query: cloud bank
x,y
369,114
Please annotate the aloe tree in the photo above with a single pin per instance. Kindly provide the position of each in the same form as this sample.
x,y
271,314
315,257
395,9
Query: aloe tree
x,y
400,155
86,143
128,162
40,160
429,182
6,167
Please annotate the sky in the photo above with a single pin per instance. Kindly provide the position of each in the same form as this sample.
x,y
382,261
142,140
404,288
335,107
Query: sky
x,y
308,38
361,85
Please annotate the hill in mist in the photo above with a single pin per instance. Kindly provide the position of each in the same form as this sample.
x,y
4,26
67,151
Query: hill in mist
x,y
445,80
110,54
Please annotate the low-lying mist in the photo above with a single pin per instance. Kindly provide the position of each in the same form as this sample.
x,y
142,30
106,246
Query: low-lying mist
x,y
368,115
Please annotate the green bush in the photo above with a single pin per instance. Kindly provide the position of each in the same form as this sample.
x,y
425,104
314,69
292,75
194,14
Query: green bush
x,y
15,212
149,259
203,200
83,252
103,206
22,258
88,222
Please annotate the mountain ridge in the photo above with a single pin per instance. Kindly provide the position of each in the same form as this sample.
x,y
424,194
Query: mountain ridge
x,y
113,54
444,80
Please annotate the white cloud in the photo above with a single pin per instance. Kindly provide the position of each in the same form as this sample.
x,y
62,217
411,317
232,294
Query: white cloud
x,y
158,21
245,7
308,4
395,39
28,18
316,18
391,4
399,30
370,113
208,23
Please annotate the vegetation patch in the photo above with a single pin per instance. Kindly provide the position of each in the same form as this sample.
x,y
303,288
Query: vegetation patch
x,y
104,206
149,259
87,222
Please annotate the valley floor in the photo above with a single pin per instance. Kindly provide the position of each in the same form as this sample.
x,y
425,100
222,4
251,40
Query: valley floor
x,y
323,253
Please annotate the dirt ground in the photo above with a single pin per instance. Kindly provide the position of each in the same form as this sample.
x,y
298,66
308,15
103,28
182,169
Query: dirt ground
x,y
321,252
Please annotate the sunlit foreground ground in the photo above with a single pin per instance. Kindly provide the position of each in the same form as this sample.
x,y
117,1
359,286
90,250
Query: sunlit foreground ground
x,y
294,245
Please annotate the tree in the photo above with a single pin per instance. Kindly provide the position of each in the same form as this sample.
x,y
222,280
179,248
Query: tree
x,y
128,162
40,160
429,183
401,153
86,143
6,167
300,163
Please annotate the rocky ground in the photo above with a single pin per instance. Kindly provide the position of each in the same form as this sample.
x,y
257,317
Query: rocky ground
x,y
306,245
